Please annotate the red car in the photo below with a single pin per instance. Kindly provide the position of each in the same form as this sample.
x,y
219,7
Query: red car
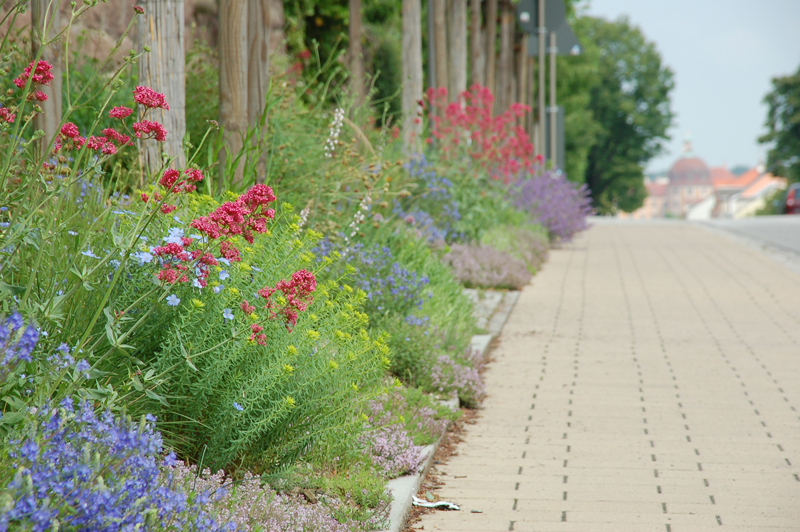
x,y
792,204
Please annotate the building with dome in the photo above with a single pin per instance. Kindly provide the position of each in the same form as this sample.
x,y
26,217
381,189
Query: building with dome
x,y
689,183
694,191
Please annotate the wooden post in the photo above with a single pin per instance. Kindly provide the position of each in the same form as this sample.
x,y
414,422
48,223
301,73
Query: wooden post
x,y
542,115
258,34
232,81
355,55
476,44
530,99
45,24
552,110
491,37
522,75
440,44
412,76
506,63
162,69
457,33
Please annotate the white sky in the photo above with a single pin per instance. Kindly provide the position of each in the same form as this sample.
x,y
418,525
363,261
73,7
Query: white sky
x,y
724,54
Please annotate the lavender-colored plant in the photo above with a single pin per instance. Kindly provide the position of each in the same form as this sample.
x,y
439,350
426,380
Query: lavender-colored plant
x,y
248,504
553,201
485,267
460,374
90,472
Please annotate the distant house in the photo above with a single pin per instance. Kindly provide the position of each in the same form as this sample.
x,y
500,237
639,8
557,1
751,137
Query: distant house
x,y
694,191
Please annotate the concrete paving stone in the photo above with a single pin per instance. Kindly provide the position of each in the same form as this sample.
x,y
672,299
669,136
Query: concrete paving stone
x,y
692,323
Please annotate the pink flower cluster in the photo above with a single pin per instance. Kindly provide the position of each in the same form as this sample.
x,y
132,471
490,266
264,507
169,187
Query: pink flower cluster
x,y
501,146
70,139
42,75
149,98
246,215
7,115
147,129
297,292
171,180
177,258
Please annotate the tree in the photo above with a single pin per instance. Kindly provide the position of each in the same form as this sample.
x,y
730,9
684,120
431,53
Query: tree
x,y
45,25
630,101
457,36
258,34
412,75
232,81
354,53
783,127
161,28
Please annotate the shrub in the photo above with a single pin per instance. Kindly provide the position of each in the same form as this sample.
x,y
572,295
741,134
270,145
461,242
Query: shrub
x,y
483,266
527,243
559,205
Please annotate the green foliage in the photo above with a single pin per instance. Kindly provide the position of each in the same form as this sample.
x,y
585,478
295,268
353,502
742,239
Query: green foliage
x,y
387,66
528,243
783,127
630,101
202,90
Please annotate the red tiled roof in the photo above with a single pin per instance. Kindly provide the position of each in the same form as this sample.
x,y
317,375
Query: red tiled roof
x,y
760,184
722,177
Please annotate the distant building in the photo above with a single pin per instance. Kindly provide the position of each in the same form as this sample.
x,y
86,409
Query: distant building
x,y
689,182
694,191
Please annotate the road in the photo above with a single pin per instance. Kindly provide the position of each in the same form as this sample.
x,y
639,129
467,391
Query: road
x,y
648,379
782,232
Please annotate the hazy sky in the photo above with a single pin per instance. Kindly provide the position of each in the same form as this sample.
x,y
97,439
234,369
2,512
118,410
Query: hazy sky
x,y
724,54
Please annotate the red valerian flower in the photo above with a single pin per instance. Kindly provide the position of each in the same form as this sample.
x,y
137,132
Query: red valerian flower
x,y
247,308
69,130
7,115
39,96
41,74
229,251
109,149
297,292
120,112
115,136
139,9
169,178
260,338
95,143
150,130
149,98
166,208
145,197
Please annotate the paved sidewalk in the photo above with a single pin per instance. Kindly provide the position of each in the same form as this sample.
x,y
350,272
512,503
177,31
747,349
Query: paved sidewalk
x,y
648,379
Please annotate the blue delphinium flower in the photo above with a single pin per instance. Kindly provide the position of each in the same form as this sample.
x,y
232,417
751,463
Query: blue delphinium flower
x,y
173,300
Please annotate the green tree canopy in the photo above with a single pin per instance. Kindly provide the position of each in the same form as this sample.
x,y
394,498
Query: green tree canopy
x,y
783,125
630,101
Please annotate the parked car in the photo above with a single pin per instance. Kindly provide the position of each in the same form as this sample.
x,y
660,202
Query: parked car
x,y
792,203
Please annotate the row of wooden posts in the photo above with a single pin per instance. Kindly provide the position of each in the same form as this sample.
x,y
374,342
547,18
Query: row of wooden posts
x,y
244,62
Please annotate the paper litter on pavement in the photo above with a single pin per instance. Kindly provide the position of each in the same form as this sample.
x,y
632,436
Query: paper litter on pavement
x,y
438,504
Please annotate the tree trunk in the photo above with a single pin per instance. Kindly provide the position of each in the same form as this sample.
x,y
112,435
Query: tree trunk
x,y
355,55
522,76
46,23
440,44
506,63
258,33
412,76
491,37
457,33
232,83
477,70
162,69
